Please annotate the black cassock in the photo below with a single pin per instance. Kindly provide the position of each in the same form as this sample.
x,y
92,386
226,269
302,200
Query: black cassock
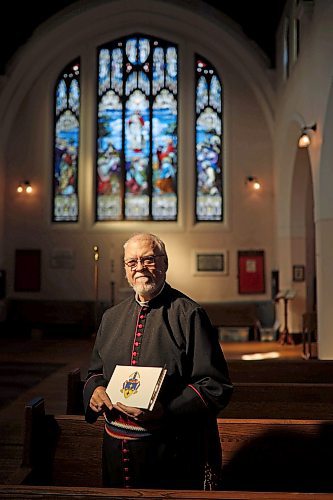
x,y
182,449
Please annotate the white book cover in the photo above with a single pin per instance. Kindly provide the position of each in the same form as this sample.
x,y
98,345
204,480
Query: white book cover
x,y
136,386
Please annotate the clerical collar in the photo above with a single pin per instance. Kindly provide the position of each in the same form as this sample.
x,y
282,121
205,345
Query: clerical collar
x,y
146,302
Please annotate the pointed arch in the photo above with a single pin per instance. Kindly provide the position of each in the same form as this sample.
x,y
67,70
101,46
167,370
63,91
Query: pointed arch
x,y
137,138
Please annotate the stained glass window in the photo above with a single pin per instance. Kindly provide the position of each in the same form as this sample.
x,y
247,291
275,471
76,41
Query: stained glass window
x,y
286,48
208,142
137,130
66,145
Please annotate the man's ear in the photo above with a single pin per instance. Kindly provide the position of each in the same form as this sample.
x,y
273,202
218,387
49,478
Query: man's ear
x,y
166,263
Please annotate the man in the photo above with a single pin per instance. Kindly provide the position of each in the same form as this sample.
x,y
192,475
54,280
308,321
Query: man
x,y
176,445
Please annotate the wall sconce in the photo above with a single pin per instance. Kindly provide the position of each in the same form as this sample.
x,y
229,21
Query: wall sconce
x,y
24,186
304,140
253,182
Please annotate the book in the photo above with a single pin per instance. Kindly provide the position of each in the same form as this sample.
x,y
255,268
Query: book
x,y
136,386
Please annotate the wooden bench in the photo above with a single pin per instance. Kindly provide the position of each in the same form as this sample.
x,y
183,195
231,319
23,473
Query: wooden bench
x,y
281,371
53,316
249,400
281,400
81,493
258,455
232,313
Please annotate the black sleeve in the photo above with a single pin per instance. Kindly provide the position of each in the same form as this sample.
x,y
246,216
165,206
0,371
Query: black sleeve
x,y
95,378
209,388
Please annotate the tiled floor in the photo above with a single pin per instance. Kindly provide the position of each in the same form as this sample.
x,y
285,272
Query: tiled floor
x,y
73,353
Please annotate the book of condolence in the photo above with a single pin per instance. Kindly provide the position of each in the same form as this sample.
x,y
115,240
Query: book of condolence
x,y
136,386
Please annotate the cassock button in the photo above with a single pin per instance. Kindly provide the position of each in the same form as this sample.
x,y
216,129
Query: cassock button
x,y
136,344
134,353
140,326
133,362
138,334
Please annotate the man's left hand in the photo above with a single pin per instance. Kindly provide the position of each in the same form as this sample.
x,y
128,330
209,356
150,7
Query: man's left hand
x,y
139,413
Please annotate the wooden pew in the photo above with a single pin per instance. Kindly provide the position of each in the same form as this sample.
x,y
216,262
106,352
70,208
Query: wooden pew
x,y
280,400
282,371
258,455
249,400
53,316
234,314
81,493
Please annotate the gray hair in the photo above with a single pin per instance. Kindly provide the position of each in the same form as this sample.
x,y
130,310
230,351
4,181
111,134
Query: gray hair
x,y
156,241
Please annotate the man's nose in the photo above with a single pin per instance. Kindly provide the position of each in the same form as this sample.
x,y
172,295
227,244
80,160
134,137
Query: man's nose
x,y
139,264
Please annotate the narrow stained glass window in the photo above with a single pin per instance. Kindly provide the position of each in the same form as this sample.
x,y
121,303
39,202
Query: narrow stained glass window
x,y
286,48
208,143
66,145
137,130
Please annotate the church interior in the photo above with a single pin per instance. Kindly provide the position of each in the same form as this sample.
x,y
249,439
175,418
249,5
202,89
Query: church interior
x,y
214,134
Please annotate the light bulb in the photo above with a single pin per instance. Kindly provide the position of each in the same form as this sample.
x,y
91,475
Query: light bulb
x,y
304,141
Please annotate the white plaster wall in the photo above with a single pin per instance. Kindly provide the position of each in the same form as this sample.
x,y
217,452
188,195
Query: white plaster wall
x,y
303,100
324,230
27,141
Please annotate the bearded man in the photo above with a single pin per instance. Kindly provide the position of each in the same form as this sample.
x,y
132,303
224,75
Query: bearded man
x,y
176,445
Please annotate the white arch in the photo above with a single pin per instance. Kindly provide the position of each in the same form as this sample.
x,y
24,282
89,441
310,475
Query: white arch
x,y
100,21
324,236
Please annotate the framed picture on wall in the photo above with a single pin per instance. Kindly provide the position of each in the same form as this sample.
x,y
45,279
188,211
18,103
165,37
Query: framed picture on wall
x,y
251,271
298,273
210,262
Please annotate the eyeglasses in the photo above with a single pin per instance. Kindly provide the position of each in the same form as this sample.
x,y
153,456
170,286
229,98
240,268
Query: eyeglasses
x,y
146,261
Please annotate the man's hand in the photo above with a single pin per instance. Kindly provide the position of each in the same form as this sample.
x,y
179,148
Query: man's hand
x,y
139,414
100,399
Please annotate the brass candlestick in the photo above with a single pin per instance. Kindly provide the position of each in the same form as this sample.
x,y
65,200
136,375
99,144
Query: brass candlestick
x,y
96,258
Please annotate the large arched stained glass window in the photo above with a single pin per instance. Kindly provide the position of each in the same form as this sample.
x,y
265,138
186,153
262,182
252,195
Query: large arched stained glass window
x,y
208,143
137,130
66,145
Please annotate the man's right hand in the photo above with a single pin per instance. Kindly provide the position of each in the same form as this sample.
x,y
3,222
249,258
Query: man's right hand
x,y
99,400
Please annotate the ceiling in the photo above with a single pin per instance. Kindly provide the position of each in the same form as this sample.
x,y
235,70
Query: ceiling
x,y
258,19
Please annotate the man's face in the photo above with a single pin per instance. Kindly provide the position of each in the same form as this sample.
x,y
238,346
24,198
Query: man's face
x,y
146,279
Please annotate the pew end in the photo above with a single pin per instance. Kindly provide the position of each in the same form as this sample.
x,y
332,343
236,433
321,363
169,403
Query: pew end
x,y
74,393
60,450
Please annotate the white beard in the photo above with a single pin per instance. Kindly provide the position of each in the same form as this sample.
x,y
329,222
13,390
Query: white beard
x,y
144,288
